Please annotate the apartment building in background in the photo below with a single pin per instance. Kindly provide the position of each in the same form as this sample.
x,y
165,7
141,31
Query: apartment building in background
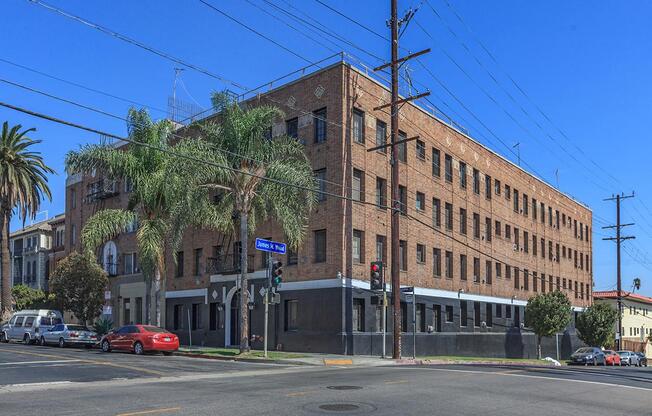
x,y
479,236
636,316
30,254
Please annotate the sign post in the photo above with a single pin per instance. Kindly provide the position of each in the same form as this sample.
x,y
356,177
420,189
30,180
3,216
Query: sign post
x,y
269,247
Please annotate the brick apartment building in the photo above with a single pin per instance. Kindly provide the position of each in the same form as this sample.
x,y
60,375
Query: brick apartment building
x,y
481,236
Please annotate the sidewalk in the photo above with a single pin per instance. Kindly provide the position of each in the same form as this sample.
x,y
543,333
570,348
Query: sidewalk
x,y
317,359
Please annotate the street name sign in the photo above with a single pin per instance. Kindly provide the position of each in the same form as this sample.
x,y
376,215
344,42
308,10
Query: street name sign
x,y
270,246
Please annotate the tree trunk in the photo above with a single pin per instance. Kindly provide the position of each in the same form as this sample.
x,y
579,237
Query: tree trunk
x,y
244,293
148,299
538,347
5,268
157,294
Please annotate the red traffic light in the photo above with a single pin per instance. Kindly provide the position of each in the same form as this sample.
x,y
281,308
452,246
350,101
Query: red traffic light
x,y
375,268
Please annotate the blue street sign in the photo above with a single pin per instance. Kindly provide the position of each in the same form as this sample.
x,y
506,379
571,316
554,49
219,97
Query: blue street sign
x,y
271,246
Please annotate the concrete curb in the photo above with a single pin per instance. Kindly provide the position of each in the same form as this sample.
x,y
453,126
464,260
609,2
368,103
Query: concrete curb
x,y
243,359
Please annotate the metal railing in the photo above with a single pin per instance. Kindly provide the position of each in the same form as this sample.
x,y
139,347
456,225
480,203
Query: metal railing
x,y
228,264
102,189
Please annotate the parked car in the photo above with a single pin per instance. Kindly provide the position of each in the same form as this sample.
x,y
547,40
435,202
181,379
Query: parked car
x,y
140,339
642,359
629,358
612,358
28,325
68,334
588,355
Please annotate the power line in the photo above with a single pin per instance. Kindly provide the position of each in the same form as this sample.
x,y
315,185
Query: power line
x,y
135,42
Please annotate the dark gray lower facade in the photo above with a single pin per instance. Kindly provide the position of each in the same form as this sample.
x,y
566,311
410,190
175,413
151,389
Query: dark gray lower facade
x,y
341,316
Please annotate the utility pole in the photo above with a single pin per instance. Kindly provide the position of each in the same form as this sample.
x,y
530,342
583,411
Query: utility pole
x,y
394,24
619,239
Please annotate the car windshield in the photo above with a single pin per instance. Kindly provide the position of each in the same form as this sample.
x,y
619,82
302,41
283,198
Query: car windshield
x,y
155,329
623,352
608,352
77,328
584,350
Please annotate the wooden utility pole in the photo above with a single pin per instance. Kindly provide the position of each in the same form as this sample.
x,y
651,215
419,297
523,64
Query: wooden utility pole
x,y
394,24
618,239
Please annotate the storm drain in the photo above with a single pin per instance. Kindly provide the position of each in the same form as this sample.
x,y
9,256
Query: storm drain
x,y
344,387
339,407
349,408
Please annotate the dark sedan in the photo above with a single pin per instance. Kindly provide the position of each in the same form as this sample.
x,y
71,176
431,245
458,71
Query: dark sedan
x,y
588,355
642,359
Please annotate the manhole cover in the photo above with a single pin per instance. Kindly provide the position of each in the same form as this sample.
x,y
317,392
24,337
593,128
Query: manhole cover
x,y
344,387
339,407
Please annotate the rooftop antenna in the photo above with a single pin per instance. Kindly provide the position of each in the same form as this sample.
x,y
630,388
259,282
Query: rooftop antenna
x,y
177,72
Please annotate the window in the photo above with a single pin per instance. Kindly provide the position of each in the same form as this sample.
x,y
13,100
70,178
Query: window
x,y
463,313
73,198
463,266
497,186
462,175
557,252
358,246
402,147
515,200
534,243
534,208
476,181
213,317
436,317
421,201
508,271
292,127
526,280
319,118
526,242
381,193
508,192
477,318
29,322
543,248
543,212
499,270
402,198
462,221
449,313
517,240
196,317
436,162
550,216
381,244
476,225
420,313
179,266
381,135
403,259
358,126
550,250
517,278
436,259
291,315
525,205
320,176
73,234
358,315
499,310
320,246
476,270
449,264
130,265
488,271
421,253
498,228
557,218
448,216
448,168
487,186
508,231
535,281
357,188
436,212
508,311
197,262
487,229
421,150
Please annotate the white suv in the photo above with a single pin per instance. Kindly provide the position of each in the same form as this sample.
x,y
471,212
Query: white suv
x,y
27,325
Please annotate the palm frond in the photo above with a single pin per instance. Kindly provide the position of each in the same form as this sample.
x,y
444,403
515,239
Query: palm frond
x,y
105,225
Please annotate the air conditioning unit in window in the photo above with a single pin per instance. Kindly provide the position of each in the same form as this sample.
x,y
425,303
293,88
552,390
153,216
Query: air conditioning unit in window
x,y
515,247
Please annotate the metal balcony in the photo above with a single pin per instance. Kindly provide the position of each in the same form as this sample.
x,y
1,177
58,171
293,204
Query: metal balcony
x,y
102,189
228,264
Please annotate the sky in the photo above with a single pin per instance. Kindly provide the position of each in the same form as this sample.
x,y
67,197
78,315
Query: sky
x,y
568,81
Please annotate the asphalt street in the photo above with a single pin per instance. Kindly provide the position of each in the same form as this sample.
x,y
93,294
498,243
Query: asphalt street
x,y
51,381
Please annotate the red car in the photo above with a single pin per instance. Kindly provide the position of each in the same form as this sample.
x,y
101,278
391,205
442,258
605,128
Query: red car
x,y
140,339
611,358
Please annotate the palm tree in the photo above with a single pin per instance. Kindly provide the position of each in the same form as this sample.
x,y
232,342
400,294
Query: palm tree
x,y
23,185
150,203
256,177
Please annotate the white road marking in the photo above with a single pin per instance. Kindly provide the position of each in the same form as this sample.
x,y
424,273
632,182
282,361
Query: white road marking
x,y
600,383
40,362
46,383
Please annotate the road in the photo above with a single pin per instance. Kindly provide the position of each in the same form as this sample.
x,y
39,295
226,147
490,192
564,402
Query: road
x,y
51,381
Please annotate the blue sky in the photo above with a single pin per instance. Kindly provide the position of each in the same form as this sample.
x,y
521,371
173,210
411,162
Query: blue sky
x,y
586,66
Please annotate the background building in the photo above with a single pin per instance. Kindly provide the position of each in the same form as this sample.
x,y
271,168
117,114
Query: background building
x,y
479,236
637,318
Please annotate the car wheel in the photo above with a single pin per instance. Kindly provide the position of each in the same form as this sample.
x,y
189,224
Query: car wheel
x,y
42,341
62,343
138,348
26,340
3,338
106,347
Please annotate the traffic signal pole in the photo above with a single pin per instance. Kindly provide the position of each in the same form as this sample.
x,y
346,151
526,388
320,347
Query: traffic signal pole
x,y
266,301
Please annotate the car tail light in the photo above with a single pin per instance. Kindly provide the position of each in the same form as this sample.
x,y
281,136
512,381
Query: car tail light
x,y
73,335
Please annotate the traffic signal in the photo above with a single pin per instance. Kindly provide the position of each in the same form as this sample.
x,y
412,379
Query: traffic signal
x,y
376,278
277,273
